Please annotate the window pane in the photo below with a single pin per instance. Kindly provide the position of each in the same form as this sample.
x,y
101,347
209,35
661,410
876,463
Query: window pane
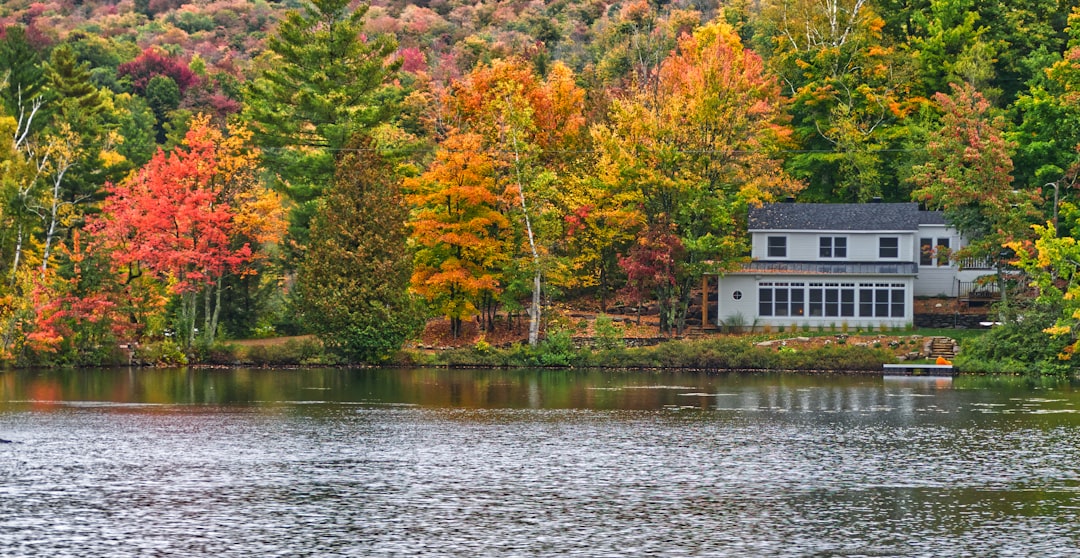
x,y
926,247
866,303
797,307
898,303
847,302
881,303
839,247
825,247
889,247
943,251
815,302
777,246
765,302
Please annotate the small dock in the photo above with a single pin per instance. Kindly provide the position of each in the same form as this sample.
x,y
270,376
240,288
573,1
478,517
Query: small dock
x,y
925,370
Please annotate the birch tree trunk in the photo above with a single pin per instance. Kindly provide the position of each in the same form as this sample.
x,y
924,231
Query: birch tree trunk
x,y
534,310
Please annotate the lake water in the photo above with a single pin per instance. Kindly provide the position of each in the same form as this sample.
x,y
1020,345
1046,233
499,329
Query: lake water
x,y
532,463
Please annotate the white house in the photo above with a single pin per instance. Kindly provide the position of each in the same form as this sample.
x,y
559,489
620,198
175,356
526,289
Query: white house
x,y
841,266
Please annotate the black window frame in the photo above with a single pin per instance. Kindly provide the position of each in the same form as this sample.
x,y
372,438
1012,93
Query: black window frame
x,y
776,246
941,249
895,248
832,247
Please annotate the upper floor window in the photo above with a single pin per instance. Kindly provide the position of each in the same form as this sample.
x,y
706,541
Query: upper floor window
x,y
942,252
832,247
929,253
777,246
889,247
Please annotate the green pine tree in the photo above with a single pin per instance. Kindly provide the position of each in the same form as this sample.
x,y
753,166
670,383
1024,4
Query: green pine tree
x,y
322,85
352,283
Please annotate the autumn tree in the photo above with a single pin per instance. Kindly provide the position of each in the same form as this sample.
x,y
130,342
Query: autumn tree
x,y
80,313
968,175
1052,264
691,157
522,122
458,229
154,62
353,282
190,217
850,93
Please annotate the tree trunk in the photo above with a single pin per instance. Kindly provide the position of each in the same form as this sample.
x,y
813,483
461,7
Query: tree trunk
x,y
212,331
18,253
207,292
54,212
534,311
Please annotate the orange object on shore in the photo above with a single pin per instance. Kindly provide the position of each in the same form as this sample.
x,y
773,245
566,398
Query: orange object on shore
x,y
942,360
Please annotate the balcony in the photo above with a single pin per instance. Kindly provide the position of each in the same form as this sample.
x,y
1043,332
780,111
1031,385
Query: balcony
x,y
830,268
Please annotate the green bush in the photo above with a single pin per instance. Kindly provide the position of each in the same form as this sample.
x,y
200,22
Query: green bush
x,y
700,354
557,349
161,353
291,353
608,335
1017,347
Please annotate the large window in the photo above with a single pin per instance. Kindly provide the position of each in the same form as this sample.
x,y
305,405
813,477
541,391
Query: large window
x,y
889,247
781,299
881,300
931,254
777,246
832,247
831,300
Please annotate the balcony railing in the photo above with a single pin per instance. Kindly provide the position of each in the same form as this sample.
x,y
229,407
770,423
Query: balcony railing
x,y
832,268
975,263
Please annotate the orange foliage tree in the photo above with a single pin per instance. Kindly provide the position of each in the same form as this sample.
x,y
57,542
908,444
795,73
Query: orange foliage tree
x,y
458,229
191,217
519,125
687,156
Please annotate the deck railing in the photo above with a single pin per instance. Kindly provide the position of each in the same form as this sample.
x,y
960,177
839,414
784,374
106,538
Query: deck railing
x,y
977,292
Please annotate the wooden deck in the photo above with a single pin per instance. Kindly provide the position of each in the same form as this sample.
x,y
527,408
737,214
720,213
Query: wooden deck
x,y
920,370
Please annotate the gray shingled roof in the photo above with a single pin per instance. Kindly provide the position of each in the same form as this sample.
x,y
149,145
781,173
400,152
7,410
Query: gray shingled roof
x,y
839,216
931,218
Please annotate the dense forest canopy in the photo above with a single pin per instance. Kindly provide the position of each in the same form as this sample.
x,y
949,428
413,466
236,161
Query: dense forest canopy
x,y
196,171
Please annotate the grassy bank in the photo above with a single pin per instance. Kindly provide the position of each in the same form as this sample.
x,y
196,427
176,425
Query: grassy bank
x,y
728,353
809,352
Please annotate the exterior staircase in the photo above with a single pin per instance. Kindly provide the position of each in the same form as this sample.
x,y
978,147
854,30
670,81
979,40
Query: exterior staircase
x,y
940,347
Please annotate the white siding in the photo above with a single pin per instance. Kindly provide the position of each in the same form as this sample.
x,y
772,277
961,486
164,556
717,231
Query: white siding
x,y
861,246
746,308
939,280
728,307
936,281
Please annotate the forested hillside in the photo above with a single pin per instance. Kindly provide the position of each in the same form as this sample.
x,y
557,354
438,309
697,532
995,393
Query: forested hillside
x,y
182,173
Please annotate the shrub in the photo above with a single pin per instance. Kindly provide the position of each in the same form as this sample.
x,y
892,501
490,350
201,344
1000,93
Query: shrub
x,y
161,353
557,349
734,323
292,352
608,335
1018,347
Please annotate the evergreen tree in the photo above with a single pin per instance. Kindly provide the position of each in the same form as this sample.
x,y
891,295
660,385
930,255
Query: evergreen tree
x,y
323,83
352,282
